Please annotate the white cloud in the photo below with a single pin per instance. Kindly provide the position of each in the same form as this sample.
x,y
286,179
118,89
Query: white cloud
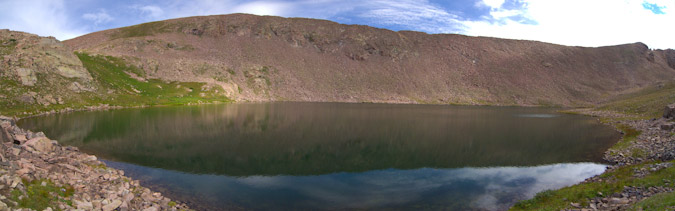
x,y
417,15
492,3
151,11
99,17
584,23
42,17
263,8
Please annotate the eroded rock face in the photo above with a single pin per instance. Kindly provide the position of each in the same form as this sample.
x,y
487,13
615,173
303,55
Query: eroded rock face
x,y
26,76
39,70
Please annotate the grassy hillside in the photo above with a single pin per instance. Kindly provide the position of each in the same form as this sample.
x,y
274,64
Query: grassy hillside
x,y
112,85
646,103
119,88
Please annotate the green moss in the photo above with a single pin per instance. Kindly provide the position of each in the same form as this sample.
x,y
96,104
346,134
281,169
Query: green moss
x,y
39,197
172,204
613,182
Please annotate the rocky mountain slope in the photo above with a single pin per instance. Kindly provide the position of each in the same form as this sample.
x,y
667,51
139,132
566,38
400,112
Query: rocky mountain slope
x,y
39,71
40,74
262,58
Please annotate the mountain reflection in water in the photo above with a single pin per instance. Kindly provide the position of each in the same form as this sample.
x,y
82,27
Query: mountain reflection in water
x,y
340,155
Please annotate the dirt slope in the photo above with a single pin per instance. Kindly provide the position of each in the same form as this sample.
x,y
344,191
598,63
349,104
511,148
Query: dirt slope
x,y
261,58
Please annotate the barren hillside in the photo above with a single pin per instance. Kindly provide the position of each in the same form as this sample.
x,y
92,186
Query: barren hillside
x,y
272,58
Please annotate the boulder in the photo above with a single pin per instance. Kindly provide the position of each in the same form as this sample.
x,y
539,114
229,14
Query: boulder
x,y
5,136
112,206
668,126
20,139
669,111
41,144
84,205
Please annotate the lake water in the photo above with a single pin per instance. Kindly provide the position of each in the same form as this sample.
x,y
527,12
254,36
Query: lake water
x,y
299,156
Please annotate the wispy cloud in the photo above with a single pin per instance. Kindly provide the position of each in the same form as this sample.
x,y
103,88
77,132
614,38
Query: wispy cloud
x,y
583,23
572,22
98,17
42,17
414,15
150,11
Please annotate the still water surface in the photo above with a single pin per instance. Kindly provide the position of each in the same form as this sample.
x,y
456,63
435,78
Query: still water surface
x,y
340,156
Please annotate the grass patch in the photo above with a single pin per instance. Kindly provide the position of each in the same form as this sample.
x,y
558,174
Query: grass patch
x,y
39,196
111,73
7,46
629,136
646,103
662,201
613,182
141,30
98,166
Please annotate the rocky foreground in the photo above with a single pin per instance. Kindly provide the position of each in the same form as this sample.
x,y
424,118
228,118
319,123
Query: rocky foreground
x,y
37,173
655,145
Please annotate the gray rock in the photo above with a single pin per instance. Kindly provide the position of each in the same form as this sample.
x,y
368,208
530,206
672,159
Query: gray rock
x,y
113,205
5,136
41,144
667,126
669,111
20,139
85,205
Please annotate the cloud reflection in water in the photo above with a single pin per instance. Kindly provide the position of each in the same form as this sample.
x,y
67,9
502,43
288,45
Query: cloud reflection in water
x,y
463,188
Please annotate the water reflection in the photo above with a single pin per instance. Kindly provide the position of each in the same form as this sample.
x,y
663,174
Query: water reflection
x,y
455,189
321,138
340,156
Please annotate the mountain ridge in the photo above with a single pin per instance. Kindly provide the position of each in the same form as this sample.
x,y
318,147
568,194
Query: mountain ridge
x,y
319,60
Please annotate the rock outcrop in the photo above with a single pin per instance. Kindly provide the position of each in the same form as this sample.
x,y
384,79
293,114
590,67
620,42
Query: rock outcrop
x,y
36,71
77,180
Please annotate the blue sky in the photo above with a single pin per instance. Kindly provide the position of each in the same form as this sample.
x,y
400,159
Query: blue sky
x,y
569,22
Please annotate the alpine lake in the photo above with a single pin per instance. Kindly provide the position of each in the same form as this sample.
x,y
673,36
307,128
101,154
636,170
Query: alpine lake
x,y
336,156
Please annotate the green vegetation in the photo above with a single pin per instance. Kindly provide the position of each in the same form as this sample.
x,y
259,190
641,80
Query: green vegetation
x,y
112,85
646,103
112,74
141,30
612,182
663,201
629,135
41,194
7,46
231,71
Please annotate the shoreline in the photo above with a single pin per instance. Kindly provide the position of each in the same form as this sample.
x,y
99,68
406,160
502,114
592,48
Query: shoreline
x,y
641,160
39,173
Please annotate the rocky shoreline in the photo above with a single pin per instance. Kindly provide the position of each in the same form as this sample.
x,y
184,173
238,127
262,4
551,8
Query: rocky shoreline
x,y
653,147
40,174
